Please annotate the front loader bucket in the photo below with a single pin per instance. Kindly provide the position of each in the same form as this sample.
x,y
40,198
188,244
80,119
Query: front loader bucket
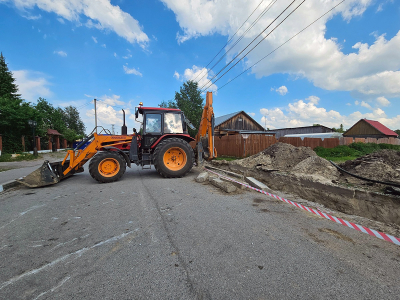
x,y
43,176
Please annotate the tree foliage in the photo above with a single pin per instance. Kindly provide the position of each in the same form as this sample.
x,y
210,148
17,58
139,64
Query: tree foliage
x,y
190,101
340,129
15,113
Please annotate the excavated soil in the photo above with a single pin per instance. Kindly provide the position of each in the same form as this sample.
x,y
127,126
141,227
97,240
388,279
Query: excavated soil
x,y
300,171
383,165
279,156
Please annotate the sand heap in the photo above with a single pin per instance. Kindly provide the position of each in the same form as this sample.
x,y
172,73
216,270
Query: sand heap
x,y
279,156
383,165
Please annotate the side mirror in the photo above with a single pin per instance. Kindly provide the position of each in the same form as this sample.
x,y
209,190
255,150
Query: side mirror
x,y
137,113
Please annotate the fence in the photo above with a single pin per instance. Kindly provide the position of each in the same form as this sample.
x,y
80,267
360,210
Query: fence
x,y
237,146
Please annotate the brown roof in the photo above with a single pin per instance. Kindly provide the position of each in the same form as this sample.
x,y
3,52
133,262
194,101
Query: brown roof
x,y
53,132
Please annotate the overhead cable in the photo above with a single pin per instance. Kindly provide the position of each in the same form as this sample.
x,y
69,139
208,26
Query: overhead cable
x,y
243,35
210,80
282,44
255,45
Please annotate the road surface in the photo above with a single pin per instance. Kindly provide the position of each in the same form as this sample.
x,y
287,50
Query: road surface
x,y
146,237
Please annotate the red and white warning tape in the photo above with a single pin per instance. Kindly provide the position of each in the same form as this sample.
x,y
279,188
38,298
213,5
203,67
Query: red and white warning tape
x,y
366,230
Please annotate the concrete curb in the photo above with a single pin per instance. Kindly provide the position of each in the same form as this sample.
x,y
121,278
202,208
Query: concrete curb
x,y
9,185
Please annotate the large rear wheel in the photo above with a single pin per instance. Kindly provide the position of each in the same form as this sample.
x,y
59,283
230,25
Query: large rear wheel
x,y
107,167
173,157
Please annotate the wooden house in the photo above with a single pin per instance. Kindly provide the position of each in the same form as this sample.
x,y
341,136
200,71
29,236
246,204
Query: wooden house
x,y
369,129
302,130
237,123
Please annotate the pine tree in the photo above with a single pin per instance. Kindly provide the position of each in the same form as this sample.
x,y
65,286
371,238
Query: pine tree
x,y
7,86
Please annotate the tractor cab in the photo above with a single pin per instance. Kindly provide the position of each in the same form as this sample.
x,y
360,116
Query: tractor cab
x,y
158,122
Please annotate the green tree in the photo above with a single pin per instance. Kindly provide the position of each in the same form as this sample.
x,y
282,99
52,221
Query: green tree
x,y
51,118
190,101
73,120
397,131
340,129
169,104
14,112
7,86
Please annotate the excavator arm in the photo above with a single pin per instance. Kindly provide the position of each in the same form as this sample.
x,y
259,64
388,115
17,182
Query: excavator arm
x,y
205,135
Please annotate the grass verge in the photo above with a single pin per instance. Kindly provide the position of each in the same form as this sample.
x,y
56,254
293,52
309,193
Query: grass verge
x,y
353,151
5,157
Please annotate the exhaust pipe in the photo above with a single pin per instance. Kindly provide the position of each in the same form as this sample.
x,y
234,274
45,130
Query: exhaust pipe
x,y
124,129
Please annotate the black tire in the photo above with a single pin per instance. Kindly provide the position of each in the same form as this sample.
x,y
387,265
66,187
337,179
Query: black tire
x,y
107,166
182,166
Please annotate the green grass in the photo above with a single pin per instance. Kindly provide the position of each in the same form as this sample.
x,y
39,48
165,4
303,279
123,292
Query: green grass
x,y
5,157
353,151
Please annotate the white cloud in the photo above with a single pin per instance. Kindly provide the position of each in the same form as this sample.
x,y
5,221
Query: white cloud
x,y
348,104
365,104
313,99
300,113
251,114
201,75
109,111
383,101
127,56
176,75
60,53
61,20
371,69
104,46
132,71
115,54
94,39
31,85
282,90
101,14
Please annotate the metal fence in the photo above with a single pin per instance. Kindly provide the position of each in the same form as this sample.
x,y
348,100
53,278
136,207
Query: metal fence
x,y
237,146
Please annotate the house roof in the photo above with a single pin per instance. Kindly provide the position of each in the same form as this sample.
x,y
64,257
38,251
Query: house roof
x,y
53,132
222,119
382,128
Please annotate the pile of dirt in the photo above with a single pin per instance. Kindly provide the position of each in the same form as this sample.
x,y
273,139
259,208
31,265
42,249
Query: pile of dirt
x,y
317,168
279,156
383,165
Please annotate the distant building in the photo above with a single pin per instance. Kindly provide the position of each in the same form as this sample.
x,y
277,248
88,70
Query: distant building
x,y
369,129
238,123
326,135
301,130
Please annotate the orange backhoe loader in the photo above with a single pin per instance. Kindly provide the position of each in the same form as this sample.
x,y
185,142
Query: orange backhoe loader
x,y
163,141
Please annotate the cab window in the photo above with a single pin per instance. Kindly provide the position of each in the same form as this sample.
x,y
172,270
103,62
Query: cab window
x,y
173,123
153,123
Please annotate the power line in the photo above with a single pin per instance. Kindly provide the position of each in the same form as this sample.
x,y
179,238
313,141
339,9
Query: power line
x,y
210,80
282,44
229,40
256,44
244,33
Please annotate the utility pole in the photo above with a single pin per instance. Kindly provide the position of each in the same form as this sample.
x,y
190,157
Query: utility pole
x,y
95,115
112,129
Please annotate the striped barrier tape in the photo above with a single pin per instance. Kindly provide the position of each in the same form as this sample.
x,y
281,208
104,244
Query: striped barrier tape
x,y
380,235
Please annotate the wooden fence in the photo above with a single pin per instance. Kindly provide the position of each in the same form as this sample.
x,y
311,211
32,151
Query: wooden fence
x,y
237,146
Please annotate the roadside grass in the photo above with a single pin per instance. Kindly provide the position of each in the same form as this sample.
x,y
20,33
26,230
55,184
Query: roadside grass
x,y
5,157
353,151
4,169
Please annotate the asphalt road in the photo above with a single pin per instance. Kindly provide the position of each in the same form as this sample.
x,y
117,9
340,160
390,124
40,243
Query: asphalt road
x,y
146,237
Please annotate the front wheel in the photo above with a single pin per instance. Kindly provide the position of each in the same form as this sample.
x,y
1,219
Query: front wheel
x,y
173,157
107,167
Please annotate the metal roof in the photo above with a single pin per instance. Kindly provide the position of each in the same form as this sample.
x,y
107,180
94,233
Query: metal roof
x,y
222,119
382,128
53,132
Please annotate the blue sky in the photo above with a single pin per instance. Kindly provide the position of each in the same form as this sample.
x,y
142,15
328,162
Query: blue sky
x,y
344,67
